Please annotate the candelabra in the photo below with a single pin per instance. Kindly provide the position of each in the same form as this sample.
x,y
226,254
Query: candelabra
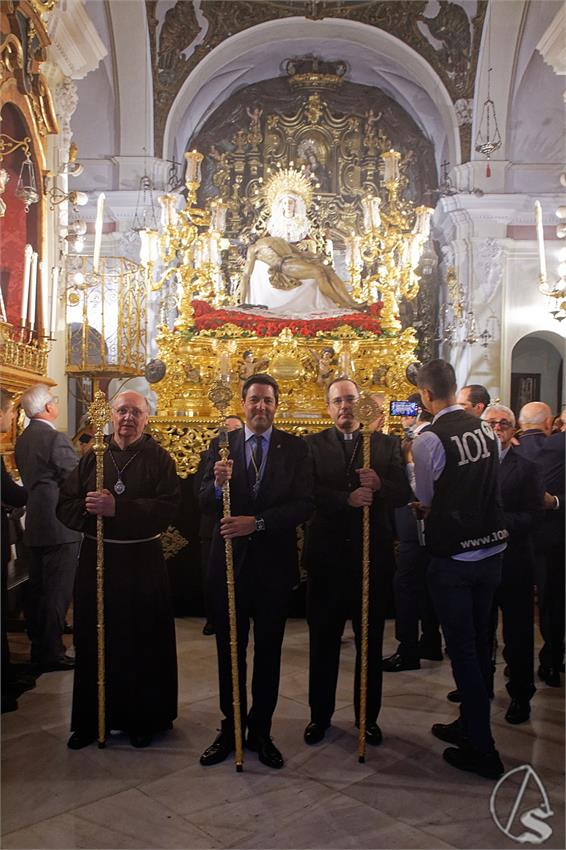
x,y
391,245
190,244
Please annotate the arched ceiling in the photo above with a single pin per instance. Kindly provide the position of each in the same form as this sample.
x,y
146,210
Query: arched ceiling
x,y
374,57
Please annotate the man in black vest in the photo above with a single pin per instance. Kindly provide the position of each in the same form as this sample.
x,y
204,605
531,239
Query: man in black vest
x,y
333,554
457,485
271,494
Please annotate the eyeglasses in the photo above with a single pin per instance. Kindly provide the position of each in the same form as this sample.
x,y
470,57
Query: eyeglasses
x,y
348,399
503,423
132,411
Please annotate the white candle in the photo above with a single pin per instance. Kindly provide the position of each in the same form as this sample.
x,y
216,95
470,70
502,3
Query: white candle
x,y
540,239
28,251
3,316
32,291
44,296
54,296
98,231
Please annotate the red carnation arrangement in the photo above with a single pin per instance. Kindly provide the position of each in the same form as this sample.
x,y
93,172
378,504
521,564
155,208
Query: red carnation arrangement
x,y
208,318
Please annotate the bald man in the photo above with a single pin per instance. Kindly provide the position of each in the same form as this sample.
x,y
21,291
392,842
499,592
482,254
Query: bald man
x,y
138,501
547,451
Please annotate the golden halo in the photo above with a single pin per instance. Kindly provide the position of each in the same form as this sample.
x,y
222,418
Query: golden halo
x,y
287,181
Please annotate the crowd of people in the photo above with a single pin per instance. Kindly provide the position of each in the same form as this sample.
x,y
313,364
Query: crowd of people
x,y
472,500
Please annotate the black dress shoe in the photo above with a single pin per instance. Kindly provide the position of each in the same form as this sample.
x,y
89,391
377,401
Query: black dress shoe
x,y
78,740
315,732
208,628
488,765
374,736
431,653
550,675
396,663
454,696
219,750
64,663
519,711
141,739
452,733
266,750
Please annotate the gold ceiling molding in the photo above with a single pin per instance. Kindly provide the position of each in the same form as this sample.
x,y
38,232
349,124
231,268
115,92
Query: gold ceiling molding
x,y
452,50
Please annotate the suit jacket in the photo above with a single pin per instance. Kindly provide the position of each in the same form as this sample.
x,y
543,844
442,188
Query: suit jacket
x,y
284,500
522,495
548,454
44,457
334,534
13,496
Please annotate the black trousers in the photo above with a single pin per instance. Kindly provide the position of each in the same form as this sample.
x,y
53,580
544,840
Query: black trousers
x,y
51,580
463,594
515,598
549,579
331,600
413,603
267,607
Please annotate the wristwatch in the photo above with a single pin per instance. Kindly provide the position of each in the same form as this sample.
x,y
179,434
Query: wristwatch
x,y
259,523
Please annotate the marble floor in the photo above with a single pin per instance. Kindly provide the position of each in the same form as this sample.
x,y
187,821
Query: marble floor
x,y
404,796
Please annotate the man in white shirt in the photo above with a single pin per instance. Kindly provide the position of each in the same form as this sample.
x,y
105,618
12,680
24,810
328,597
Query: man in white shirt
x,y
457,486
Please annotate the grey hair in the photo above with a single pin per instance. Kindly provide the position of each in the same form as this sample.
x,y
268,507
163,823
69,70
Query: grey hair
x,y
503,407
34,400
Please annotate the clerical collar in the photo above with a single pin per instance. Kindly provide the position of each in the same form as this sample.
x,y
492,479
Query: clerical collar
x,y
347,436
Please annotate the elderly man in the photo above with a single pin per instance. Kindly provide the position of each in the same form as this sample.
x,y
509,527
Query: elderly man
x,y
522,495
547,451
333,554
138,501
45,457
271,494
457,485
474,398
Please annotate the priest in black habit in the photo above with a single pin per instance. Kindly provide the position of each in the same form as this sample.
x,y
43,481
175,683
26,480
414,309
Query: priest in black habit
x,y
138,502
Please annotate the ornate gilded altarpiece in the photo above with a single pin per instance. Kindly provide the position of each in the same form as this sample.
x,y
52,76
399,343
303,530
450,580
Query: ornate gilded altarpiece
x,y
449,40
335,134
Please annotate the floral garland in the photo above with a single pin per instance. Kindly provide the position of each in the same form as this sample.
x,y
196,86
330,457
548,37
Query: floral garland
x,y
210,321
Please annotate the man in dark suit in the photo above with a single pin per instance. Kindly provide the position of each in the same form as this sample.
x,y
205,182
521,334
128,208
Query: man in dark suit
x,y
547,451
13,496
45,457
333,554
271,494
522,496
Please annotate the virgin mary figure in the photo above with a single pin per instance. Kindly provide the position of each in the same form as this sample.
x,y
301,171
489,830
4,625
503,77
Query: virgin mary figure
x,y
281,270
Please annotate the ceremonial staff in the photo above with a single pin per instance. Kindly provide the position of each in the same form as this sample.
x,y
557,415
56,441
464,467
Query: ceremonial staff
x,y
99,414
365,410
220,395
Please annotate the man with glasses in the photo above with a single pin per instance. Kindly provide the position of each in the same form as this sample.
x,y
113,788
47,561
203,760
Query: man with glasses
x,y
522,495
333,554
138,502
45,457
